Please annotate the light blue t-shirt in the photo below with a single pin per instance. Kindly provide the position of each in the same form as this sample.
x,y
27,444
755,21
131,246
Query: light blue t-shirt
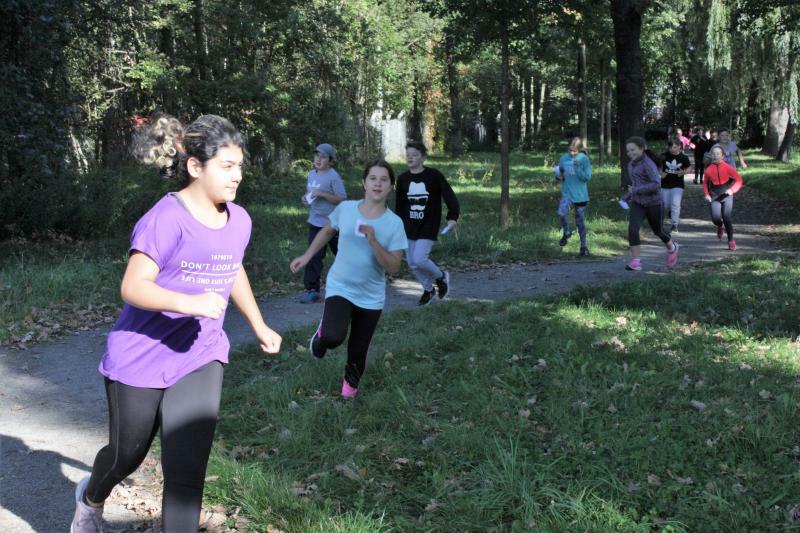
x,y
728,152
330,182
356,274
576,176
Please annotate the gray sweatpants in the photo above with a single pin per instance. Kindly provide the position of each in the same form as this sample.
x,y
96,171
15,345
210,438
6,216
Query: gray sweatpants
x,y
423,268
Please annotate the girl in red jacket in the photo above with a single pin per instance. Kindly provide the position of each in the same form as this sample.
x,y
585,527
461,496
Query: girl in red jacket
x,y
720,184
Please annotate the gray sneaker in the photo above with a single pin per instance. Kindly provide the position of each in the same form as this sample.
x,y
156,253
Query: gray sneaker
x,y
87,519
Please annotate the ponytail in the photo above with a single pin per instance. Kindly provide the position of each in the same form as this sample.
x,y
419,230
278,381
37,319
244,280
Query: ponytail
x,y
166,143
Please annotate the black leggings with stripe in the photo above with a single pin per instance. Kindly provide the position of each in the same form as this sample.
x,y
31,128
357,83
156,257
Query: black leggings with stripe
x,y
186,414
340,314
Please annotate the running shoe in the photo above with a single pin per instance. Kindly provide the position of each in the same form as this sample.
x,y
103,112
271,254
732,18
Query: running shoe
x,y
426,297
673,228
348,391
311,296
720,232
731,245
584,251
564,239
672,257
314,344
634,264
443,285
87,519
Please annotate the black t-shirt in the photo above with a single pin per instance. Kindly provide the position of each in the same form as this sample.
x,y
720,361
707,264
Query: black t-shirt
x,y
419,202
672,165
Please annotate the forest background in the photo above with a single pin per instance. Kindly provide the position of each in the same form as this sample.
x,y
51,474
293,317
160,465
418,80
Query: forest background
x,y
78,76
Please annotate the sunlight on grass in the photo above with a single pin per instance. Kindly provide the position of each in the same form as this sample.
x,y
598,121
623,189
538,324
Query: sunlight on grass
x,y
666,403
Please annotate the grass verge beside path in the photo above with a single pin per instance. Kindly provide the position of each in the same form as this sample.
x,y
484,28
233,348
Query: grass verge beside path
x,y
55,286
670,403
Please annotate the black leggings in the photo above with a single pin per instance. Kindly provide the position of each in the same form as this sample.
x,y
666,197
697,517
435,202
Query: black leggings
x,y
340,313
699,168
722,213
186,413
654,216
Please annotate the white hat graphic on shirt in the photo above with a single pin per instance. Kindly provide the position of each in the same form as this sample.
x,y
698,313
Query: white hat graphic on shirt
x,y
417,195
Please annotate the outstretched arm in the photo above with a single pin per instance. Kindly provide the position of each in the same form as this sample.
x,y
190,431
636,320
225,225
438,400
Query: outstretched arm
x,y
319,242
242,296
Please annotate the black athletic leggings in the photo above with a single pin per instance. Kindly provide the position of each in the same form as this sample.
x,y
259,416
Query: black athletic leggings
x,y
186,413
340,313
722,213
654,216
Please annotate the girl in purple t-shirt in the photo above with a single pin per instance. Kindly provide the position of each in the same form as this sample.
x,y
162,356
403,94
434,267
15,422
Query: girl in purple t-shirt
x,y
163,364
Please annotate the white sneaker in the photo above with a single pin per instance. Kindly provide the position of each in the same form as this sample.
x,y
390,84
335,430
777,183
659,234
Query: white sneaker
x,y
87,519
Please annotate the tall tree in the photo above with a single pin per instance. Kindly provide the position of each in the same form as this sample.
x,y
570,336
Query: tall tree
x,y
627,18
500,22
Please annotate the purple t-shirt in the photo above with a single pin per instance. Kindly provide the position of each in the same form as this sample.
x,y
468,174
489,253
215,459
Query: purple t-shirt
x,y
155,349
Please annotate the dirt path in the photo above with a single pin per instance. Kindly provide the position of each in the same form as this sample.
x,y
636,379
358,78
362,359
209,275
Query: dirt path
x,y
53,408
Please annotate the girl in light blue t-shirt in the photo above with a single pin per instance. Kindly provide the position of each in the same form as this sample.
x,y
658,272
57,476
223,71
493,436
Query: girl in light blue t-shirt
x,y
371,243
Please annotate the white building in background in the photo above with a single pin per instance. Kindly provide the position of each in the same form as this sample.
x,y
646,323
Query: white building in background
x,y
393,134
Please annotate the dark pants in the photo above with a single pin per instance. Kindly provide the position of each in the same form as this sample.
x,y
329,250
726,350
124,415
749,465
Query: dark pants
x,y
654,216
340,313
186,413
699,168
722,213
313,271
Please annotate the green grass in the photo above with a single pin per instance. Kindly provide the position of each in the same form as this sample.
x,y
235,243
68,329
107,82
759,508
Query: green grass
x,y
566,413
778,179
47,282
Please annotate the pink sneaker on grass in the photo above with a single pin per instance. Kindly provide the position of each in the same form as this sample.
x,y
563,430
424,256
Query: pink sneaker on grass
x,y
731,245
672,257
348,391
634,264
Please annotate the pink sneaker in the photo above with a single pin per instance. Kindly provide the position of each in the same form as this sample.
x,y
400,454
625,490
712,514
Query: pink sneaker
x,y
672,257
634,264
731,245
720,232
347,390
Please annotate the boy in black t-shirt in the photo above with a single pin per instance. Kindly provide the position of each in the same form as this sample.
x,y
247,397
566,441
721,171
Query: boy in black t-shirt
x,y
420,191
674,166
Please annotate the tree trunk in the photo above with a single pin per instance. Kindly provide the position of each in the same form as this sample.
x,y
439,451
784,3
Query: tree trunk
x,y
200,40
537,89
504,129
754,135
455,140
540,108
528,85
515,113
627,18
582,109
602,117
415,127
776,128
785,151
609,148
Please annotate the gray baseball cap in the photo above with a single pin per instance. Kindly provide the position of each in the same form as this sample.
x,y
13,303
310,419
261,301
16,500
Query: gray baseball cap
x,y
326,149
